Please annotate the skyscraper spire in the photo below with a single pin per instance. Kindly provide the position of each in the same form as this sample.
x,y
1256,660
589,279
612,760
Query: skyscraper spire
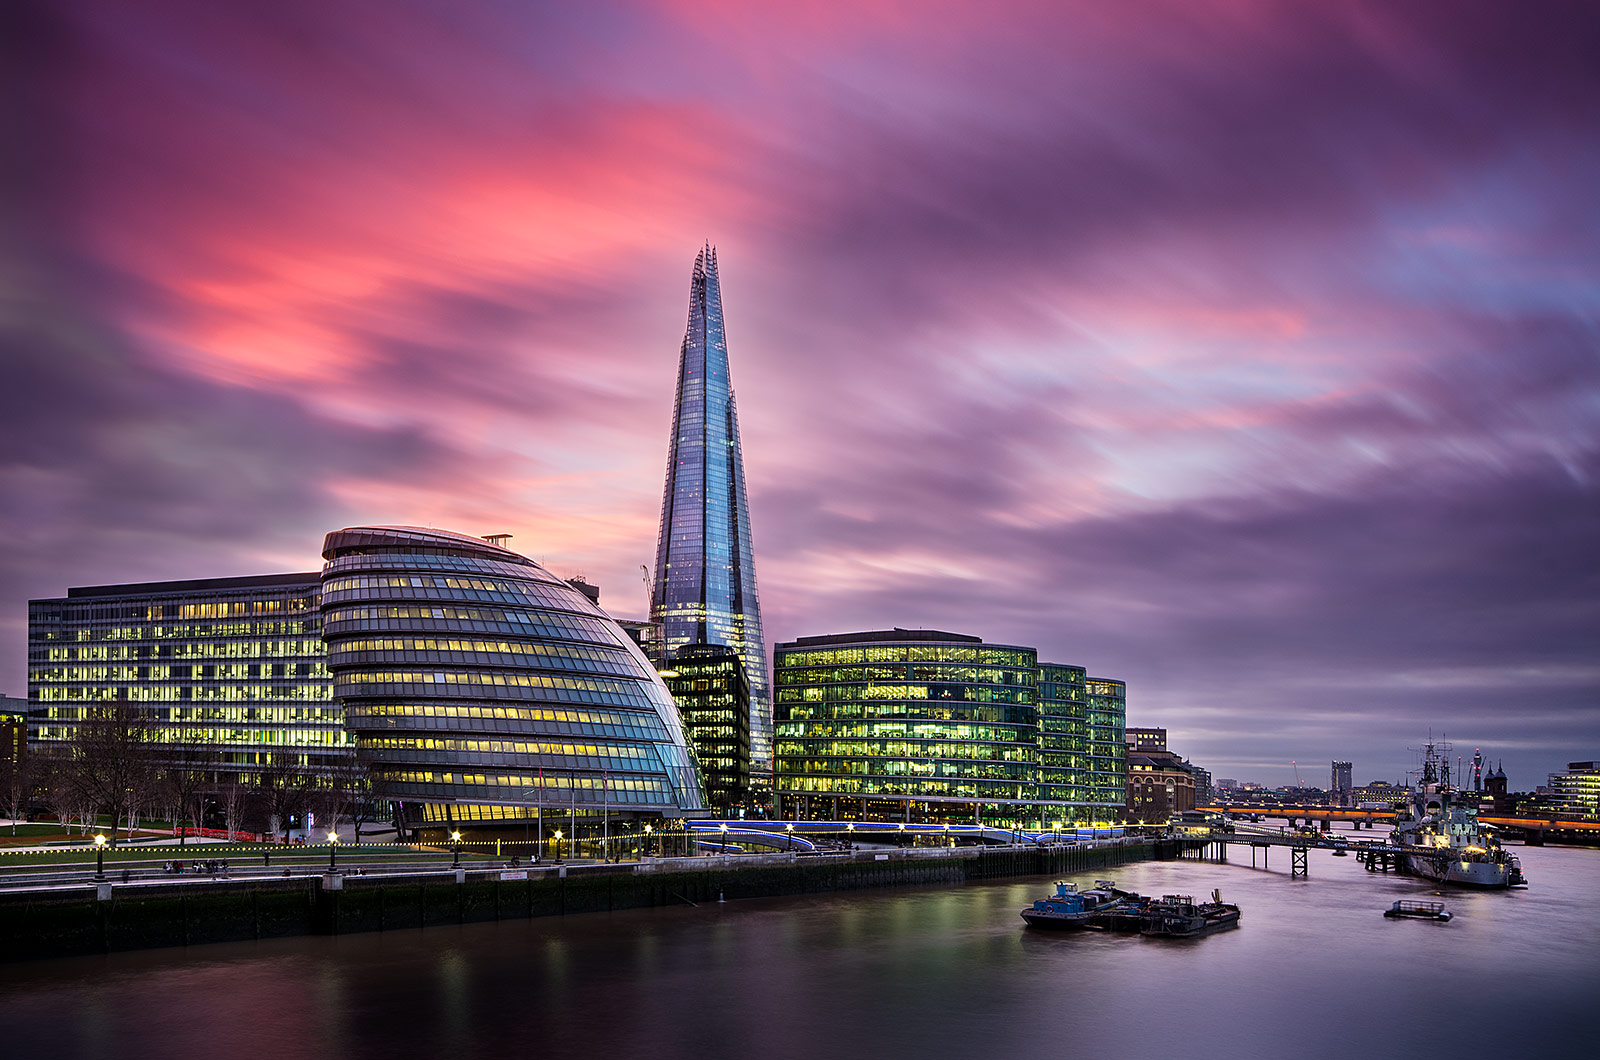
x,y
704,591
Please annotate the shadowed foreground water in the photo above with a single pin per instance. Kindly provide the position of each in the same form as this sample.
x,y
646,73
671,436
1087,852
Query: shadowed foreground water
x,y
1314,971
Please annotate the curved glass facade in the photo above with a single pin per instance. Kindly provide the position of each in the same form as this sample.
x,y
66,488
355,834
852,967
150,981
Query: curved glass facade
x,y
485,689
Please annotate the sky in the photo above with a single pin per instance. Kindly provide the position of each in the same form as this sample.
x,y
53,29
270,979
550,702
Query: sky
x,y
1246,352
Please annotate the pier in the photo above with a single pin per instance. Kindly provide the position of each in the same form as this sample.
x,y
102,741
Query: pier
x,y
1375,855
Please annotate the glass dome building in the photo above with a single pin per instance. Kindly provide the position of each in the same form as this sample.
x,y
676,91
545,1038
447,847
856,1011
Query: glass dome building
x,y
483,690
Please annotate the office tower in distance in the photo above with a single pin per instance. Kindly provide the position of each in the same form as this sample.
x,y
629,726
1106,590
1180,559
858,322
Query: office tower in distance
x,y
1341,789
704,591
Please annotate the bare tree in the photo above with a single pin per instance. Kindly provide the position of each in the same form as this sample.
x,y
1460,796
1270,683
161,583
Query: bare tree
x,y
20,781
55,781
114,769
355,790
233,796
187,775
285,786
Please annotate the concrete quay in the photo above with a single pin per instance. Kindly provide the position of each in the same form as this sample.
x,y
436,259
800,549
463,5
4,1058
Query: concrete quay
x,y
83,916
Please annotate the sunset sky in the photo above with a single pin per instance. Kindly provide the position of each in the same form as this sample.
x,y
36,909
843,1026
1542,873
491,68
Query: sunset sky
x,y
1248,352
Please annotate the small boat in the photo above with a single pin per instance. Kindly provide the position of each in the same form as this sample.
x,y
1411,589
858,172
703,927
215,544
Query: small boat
x,y
1418,910
1070,909
1180,916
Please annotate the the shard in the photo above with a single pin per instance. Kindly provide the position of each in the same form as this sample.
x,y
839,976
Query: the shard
x,y
705,579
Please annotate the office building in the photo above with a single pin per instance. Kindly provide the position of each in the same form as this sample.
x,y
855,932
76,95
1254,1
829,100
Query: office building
x,y
1382,792
923,725
704,590
1107,701
231,665
1145,739
713,695
1574,793
13,751
487,692
1341,791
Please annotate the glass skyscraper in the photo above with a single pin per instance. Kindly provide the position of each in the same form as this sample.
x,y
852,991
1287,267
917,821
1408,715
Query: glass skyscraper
x,y
705,580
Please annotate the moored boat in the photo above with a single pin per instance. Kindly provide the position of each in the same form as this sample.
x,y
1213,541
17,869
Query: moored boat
x,y
1180,916
1071,909
1441,837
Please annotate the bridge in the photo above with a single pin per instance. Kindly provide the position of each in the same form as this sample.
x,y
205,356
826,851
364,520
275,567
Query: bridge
x,y
1327,816
1376,854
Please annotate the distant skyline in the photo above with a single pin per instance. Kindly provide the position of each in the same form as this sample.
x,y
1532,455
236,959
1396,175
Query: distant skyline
x,y
1246,352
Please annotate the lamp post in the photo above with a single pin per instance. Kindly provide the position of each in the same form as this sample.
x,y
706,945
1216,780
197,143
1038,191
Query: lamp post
x,y
724,842
525,826
455,837
99,856
558,846
789,830
333,849
648,846
850,830
902,838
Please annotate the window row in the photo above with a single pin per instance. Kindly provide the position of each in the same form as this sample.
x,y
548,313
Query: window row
x,y
643,723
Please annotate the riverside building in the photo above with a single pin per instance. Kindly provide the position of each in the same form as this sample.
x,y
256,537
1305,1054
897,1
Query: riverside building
x,y
713,695
922,725
487,692
232,665
704,590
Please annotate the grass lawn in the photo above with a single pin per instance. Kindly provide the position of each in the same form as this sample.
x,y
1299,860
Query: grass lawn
x,y
22,831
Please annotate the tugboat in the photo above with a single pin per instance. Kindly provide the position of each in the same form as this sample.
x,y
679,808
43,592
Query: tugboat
x,y
1180,916
1070,909
1441,837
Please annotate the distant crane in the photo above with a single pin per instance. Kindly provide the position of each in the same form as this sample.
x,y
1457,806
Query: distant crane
x,y
649,591
1296,765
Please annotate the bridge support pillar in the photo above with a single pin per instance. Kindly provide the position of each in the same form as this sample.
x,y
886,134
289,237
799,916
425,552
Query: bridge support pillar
x,y
1297,863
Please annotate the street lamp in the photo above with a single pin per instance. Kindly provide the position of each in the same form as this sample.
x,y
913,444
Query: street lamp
x,y
558,846
724,842
902,839
648,845
455,837
333,848
99,856
789,829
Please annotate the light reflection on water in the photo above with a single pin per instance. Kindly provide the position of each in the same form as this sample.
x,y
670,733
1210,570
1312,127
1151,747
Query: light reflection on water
x,y
1314,971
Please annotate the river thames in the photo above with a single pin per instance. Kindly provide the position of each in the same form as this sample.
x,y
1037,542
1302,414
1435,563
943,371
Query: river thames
x,y
1313,971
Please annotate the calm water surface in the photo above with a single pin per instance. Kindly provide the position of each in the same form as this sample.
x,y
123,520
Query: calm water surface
x,y
1314,971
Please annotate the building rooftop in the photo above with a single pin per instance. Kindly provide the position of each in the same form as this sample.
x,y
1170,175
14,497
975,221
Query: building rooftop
x,y
896,635
191,585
